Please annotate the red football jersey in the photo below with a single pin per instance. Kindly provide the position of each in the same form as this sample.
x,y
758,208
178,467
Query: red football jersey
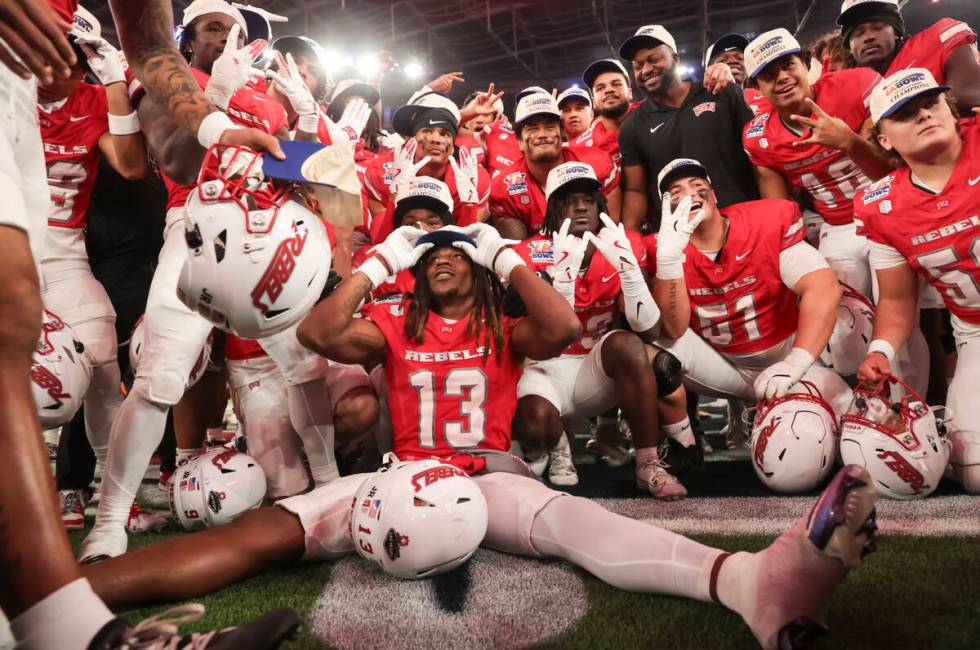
x,y
248,108
827,175
931,47
501,146
739,304
444,396
378,179
600,137
237,349
597,291
939,234
471,144
64,8
71,135
514,193
756,101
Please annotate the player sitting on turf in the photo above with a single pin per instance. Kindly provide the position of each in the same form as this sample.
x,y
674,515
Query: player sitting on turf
x,y
600,270
923,219
451,366
750,305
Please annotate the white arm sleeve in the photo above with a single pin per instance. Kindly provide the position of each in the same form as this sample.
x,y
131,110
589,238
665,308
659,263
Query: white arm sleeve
x,y
798,260
883,256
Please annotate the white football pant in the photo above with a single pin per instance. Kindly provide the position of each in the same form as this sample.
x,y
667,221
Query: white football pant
x,y
963,402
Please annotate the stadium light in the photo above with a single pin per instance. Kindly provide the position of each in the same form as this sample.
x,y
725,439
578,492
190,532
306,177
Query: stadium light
x,y
684,70
367,64
414,70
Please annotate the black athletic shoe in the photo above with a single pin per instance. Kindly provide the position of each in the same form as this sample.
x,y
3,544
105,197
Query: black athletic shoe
x,y
160,632
680,459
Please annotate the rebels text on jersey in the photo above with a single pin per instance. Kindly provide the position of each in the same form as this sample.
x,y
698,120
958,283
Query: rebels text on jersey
x,y
248,108
827,175
444,395
70,134
597,291
939,234
515,194
931,47
739,304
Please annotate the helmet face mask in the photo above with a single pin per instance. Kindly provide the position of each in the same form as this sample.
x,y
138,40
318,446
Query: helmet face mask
x,y
902,443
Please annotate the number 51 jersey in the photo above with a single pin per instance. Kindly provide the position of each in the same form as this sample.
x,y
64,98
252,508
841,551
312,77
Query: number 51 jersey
x,y
444,396
938,234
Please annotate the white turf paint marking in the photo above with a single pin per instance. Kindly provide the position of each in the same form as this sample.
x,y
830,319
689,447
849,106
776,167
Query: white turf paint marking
x,y
944,515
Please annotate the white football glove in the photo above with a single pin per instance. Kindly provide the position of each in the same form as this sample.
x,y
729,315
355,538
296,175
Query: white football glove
x,y
642,312
466,172
398,253
105,61
568,251
352,121
675,233
232,70
404,168
491,249
777,379
391,141
289,81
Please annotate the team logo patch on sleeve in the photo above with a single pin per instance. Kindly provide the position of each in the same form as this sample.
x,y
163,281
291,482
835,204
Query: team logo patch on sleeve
x,y
516,183
878,190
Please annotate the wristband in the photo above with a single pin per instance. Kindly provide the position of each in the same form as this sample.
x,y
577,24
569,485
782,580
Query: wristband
x,y
212,127
375,270
883,347
507,260
124,124
670,264
308,123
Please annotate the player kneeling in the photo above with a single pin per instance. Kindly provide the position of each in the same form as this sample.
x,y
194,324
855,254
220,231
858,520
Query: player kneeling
x,y
451,365
607,366
749,305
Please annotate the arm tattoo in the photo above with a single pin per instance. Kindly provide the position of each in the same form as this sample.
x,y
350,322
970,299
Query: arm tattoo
x,y
145,31
360,289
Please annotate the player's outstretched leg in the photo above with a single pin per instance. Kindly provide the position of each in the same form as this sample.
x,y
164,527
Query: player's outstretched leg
x,y
783,592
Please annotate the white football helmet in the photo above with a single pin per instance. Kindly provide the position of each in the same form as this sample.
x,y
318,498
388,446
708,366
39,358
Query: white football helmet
x,y
418,519
215,487
137,341
794,440
848,344
257,261
60,372
902,444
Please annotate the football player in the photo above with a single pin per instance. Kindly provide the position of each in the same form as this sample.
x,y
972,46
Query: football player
x,y
600,270
613,99
213,40
814,139
575,105
499,140
451,362
873,34
517,200
730,50
430,121
923,219
81,122
760,301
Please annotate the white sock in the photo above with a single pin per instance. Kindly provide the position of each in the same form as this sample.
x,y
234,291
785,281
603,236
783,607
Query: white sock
x,y
623,552
680,431
186,454
67,619
312,419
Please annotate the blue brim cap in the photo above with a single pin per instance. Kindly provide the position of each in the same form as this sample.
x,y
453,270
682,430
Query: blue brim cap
x,y
290,169
440,238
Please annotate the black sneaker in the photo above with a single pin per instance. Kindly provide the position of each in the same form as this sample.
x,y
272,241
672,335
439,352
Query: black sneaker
x,y
680,459
160,632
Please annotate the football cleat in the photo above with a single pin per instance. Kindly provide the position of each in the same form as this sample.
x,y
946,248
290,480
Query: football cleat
x,y
143,520
103,542
72,509
681,459
798,572
160,631
561,469
653,477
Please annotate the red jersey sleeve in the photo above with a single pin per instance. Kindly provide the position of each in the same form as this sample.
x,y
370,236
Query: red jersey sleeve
x,y
931,47
791,228
866,208
639,247
503,188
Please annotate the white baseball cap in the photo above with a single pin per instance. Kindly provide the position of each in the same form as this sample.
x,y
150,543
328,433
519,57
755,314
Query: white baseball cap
x,y
896,89
201,7
646,36
85,23
530,90
424,192
536,104
570,93
680,168
767,47
861,7
579,173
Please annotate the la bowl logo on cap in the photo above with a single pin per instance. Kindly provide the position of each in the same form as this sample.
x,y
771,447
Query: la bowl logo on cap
x,y
576,170
540,101
427,186
898,84
647,31
760,50
83,24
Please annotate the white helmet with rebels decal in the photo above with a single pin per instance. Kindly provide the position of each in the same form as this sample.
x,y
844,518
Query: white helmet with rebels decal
x,y
213,488
60,372
902,444
418,519
257,261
